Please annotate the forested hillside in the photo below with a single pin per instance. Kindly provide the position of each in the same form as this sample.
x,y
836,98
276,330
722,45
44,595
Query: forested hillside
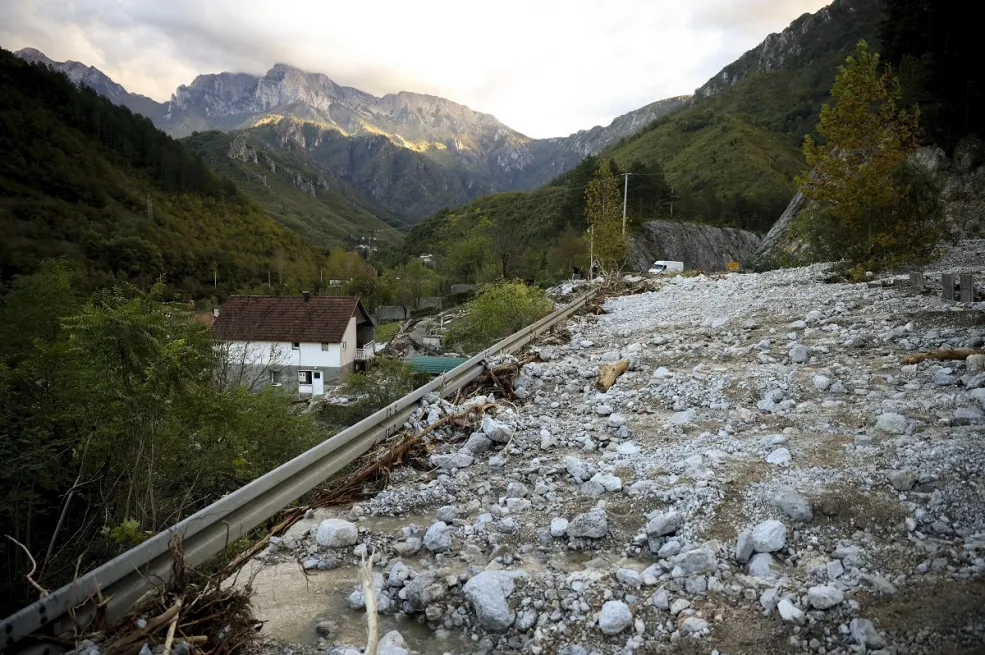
x,y
324,209
87,180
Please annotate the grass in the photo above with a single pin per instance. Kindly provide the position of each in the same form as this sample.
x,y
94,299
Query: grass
x,y
385,331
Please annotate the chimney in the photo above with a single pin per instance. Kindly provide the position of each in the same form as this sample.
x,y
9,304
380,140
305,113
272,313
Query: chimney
x,y
305,296
215,311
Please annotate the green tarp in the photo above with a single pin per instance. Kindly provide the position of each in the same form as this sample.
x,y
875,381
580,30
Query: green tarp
x,y
435,365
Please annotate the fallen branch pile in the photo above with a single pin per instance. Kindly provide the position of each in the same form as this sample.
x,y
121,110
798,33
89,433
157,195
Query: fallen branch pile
x,y
204,617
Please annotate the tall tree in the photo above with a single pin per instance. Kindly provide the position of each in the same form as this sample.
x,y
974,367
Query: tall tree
x,y
603,211
868,204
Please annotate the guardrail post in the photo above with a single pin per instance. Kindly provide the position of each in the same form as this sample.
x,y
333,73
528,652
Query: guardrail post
x,y
967,288
947,285
899,284
916,281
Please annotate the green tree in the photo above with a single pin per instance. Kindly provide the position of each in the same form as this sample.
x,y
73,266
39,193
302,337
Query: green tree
x,y
412,281
498,311
868,204
603,211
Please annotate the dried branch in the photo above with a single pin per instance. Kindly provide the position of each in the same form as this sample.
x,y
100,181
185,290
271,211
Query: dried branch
x,y
171,628
34,567
369,597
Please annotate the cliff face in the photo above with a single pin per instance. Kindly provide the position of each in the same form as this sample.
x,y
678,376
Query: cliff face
x,y
960,178
699,246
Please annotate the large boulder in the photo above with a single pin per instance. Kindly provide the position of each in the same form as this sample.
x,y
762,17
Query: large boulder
x,y
336,533
488,593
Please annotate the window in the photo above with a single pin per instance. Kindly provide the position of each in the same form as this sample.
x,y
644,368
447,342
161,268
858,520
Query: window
x,y
304,377
324,346
295,345
318,375
343,345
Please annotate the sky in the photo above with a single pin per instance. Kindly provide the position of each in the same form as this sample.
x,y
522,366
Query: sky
x,y
543,67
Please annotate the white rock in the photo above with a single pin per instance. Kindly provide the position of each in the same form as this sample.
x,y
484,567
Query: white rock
x,y
779,457
789,612
615,617
823,597
891,423
336,533
769,536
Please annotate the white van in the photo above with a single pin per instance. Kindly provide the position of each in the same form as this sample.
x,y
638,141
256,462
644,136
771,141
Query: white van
x,y
662,266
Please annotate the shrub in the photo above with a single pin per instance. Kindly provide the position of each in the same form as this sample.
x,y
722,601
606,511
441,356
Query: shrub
x,y
497,312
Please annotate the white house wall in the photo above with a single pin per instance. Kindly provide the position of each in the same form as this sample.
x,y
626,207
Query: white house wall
x,y
277,354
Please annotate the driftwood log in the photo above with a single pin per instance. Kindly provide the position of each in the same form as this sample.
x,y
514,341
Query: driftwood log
x,y
943,355
609,373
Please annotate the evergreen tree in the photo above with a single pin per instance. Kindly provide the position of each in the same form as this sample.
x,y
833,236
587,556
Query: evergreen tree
x,y
869,206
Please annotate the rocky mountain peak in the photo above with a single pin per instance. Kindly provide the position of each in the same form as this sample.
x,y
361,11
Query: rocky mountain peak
x,y
783,49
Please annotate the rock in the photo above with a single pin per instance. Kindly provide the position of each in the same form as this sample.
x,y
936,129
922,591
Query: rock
x,y
769,536
392,643
608,482
447,513
615,617
579,469
903,480
744,547
878,583
411,546
603,410
661,373
664,524
799,354
438,537
821,382
835,569
698,560
616,421
769,600
793,505
968,416
559,527
943,379
424,590
761,566
478,443
661,600
496,430
823,597
789,612
630,578
525,619
488,593
679,606
517,490
593,524
681,418
779,457
461,459
669,549
336,533
693,625
399,573
891,423
865,634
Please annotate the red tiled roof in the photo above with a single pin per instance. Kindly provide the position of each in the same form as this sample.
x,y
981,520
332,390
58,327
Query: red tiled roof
x,y
322,319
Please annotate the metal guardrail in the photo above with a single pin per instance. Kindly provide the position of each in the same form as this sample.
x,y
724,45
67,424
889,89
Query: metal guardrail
x,y
124,579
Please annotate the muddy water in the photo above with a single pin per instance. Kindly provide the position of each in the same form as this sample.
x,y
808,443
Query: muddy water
x,y
291,605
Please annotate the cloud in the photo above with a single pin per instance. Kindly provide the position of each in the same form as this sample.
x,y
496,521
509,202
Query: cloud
x,y
546,68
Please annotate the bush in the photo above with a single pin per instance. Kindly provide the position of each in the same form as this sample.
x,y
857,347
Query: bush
x,y
497,312
387,381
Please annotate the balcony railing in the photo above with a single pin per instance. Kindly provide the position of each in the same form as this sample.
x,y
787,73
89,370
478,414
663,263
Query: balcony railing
x,y
366,352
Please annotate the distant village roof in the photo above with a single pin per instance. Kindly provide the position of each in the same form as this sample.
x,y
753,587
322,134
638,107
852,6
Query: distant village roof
x,y
309,319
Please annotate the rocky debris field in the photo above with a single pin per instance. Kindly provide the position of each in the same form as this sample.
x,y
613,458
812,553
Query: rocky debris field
x,y
769,476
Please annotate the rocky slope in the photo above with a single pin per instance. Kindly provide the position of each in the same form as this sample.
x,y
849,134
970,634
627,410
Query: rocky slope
x,y
960,178
770,476
95,79
787,48
700,247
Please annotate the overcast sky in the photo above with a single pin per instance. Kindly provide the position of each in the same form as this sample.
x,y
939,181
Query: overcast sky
x,y
543,67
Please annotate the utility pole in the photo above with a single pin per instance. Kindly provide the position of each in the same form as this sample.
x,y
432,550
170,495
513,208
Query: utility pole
x,y
369,249
672,202
591,253
625,195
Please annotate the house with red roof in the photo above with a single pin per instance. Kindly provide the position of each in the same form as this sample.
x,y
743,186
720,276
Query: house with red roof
x,y
302,343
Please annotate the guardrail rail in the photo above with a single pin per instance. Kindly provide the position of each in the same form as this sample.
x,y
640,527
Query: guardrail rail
x,y
124,579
